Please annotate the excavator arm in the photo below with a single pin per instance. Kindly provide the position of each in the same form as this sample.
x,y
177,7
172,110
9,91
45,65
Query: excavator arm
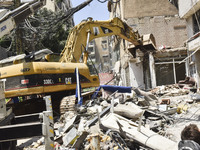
x,y
86,31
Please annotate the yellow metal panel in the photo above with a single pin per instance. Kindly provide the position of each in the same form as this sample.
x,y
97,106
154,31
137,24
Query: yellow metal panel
x,y
22,92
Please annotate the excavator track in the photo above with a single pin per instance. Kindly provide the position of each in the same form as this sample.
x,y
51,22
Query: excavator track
x,y
67,104
61,102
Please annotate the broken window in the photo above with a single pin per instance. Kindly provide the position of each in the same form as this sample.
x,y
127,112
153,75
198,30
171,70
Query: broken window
x,y
165,73
192,64
90,49
196,22
105,59
104,45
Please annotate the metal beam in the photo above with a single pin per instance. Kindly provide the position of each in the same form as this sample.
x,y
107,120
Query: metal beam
x,y
174,70
14,132
27,118
48,124
170,62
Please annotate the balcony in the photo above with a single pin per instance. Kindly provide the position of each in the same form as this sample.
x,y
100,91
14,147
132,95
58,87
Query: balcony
x,y
194,43
188,7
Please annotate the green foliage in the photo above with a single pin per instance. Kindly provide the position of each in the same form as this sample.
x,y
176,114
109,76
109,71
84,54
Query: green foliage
x,y
50,32
5,42
42,30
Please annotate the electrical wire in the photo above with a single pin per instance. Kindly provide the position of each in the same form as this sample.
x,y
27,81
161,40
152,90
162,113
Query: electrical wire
x,y
102,1
9,48
28,24
112,1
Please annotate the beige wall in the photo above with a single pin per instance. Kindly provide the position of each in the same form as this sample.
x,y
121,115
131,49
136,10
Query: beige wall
x,y
168,31
142,8
158,17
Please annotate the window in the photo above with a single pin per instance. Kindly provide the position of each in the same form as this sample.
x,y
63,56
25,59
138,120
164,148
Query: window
x,y
90,49
196,21
104,45
105,59
91,43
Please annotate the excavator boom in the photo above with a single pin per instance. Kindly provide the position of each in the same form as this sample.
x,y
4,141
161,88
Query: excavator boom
x,y
77,39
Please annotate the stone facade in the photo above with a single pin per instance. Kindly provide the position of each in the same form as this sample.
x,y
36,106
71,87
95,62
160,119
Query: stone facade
x,y
148,8
168,31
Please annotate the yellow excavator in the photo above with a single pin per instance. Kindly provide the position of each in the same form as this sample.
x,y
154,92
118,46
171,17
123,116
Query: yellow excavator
x,y
47,76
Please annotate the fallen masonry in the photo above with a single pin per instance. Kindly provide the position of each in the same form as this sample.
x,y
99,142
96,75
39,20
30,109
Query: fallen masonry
x,y
119,120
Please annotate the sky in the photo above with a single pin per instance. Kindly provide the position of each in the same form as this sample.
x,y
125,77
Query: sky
x,y
96,10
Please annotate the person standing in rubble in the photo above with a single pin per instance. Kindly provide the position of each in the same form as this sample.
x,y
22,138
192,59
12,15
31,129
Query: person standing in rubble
x,y
190,138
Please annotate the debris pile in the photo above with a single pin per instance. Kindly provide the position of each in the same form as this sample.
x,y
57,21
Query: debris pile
x,y
136,120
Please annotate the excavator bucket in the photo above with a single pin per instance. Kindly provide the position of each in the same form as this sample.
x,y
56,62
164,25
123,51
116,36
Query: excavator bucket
x,y
148,44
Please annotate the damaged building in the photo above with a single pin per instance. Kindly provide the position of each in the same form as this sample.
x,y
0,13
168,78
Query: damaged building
x,y
190,11
126,117
150,68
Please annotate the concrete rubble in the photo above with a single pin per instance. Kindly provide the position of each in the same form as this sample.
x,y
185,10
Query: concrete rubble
x,y
136,120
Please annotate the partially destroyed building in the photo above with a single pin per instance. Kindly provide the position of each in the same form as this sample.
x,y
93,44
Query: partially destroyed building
x,y
165,65
57,6
190,10
103,53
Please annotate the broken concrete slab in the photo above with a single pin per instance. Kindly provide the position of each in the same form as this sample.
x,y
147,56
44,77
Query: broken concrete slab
x,y
144,136
69,124
70,136
104,112
130,111
79,141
